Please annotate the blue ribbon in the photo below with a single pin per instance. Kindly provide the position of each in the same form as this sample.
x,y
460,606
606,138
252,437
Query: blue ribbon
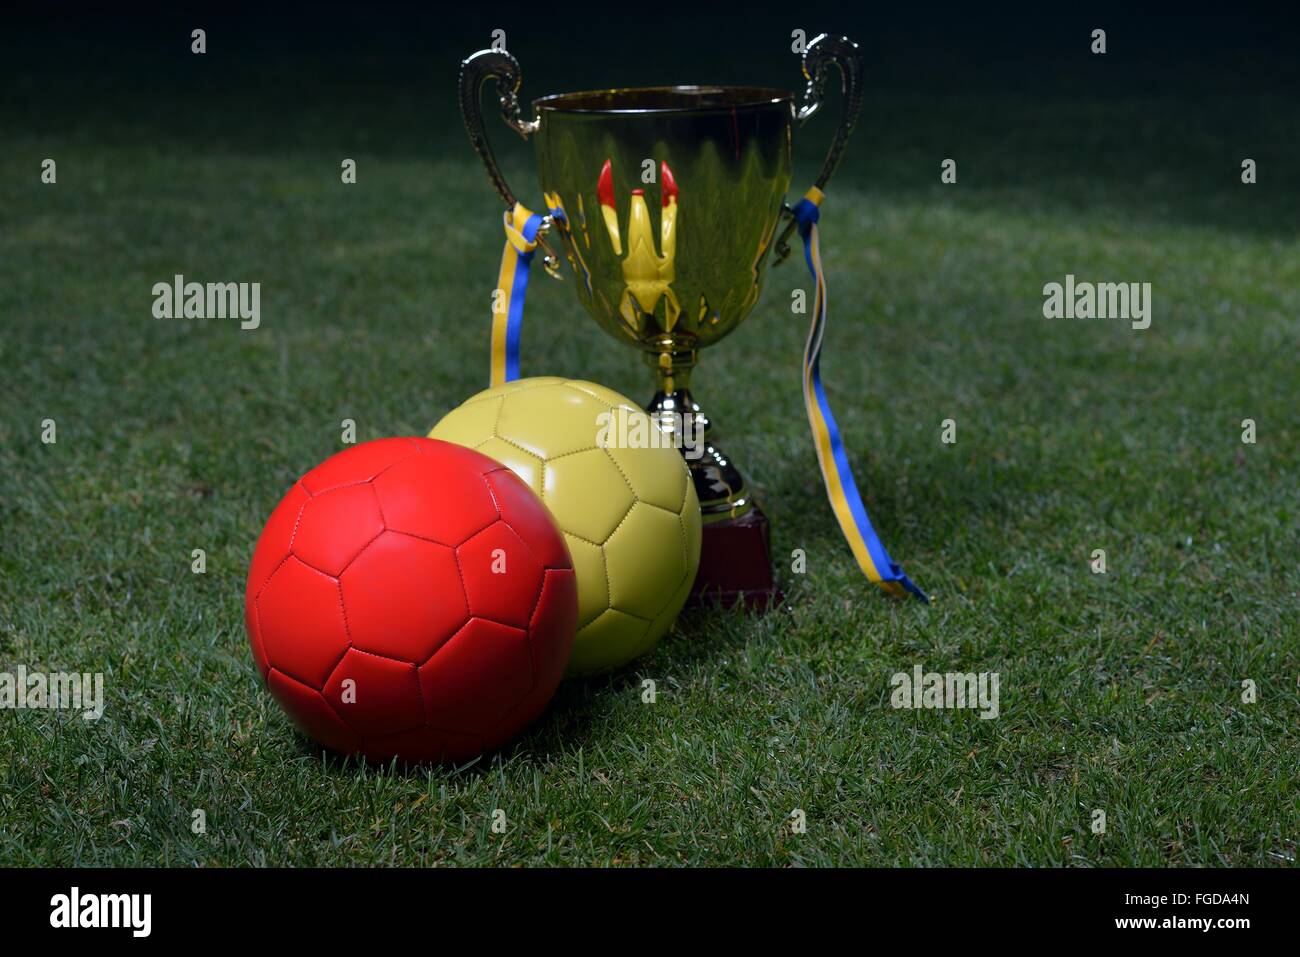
x,y
841,489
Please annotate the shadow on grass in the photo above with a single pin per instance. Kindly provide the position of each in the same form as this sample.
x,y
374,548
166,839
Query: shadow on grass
x,y
570,717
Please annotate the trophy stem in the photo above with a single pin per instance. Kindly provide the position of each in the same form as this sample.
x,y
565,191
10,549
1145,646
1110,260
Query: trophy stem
x,y
735,554
718,484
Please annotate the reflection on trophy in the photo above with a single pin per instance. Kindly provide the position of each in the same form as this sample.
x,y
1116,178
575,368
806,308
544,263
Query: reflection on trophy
x,y
667,201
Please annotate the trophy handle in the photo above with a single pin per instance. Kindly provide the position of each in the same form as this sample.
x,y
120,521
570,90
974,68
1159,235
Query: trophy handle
x,y
823,52
503,69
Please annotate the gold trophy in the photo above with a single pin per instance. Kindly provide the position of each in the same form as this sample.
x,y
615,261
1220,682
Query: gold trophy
x,y
667,201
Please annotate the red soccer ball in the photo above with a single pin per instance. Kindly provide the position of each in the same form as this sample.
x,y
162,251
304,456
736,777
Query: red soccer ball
x,y
411,598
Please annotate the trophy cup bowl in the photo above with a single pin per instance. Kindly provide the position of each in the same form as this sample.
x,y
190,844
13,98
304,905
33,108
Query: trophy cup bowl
x,y
667,202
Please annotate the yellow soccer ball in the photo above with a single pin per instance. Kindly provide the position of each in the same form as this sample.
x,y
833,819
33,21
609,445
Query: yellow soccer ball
x,y
627,507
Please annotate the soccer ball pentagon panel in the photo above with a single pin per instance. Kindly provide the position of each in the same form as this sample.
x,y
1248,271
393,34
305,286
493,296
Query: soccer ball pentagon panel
x,y
629,515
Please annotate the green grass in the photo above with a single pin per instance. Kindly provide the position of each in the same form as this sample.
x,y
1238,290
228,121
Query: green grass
x,y
1120,692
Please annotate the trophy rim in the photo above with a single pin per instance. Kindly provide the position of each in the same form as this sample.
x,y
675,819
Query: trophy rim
x,y
698,99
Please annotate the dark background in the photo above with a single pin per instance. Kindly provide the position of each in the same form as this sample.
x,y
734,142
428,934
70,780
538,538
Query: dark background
x,y
390,68
383,77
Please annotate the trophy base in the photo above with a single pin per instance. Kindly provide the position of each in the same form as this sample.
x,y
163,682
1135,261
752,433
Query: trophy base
x,y
736,564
